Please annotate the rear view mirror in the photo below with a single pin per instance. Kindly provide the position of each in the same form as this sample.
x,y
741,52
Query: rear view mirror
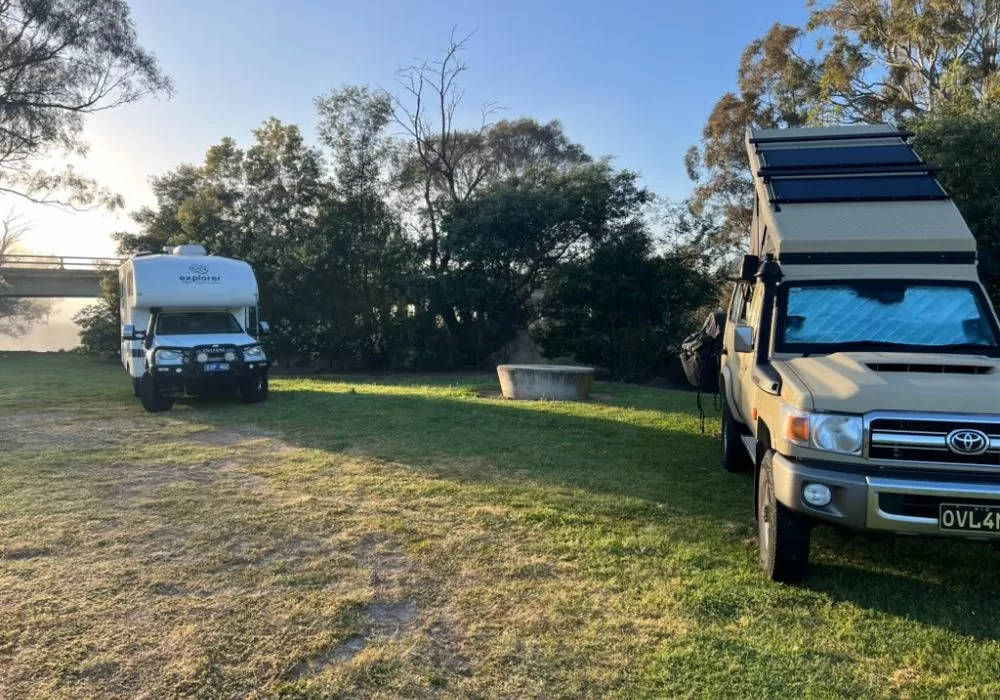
x,y
975,330
264,328
742,339
746,270
130,333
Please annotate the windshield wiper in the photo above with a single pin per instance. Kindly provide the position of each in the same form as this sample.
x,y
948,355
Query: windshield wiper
x,y
848,346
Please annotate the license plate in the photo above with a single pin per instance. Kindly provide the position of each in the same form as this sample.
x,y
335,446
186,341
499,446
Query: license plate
x,y
966,518
217,367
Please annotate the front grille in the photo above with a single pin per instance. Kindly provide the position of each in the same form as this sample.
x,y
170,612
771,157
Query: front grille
x,y
918,506
921,439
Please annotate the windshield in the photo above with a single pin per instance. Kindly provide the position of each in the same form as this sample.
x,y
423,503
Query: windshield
x,y
196,323
885,315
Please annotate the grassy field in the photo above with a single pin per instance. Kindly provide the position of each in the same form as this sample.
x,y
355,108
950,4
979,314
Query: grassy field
x,y
412,537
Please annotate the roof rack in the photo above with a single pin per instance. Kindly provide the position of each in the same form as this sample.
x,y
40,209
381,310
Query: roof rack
x,y
805,138
867,188
809,169
867,169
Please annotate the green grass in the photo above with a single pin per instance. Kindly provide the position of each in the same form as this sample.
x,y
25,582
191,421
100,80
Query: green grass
x,y
405,537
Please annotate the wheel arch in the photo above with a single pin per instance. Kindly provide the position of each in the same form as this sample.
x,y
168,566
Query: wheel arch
x,y
725,388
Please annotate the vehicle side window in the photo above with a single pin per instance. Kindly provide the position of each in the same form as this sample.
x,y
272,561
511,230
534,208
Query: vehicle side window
x,y
126,293
738,308
755,305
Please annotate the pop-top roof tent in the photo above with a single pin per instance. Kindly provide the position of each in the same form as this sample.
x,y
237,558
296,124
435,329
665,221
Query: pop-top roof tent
x,y
833,193
188,278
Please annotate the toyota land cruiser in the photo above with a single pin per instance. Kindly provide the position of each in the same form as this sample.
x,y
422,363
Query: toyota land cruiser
x,y
860,367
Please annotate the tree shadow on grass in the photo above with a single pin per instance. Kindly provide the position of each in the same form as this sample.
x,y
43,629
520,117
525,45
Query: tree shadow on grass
x,y
498,440
647,467
653,472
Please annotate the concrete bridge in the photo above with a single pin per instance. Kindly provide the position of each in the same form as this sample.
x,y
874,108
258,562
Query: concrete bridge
x,y
53,275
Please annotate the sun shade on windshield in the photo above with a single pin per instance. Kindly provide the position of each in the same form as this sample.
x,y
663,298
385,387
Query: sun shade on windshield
x,y
195,323
911,315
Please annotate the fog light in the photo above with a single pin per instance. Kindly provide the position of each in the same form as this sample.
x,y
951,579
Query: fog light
x,y
202,357
817,495
230,356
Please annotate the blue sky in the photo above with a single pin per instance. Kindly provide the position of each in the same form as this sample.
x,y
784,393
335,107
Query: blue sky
x,y
634,80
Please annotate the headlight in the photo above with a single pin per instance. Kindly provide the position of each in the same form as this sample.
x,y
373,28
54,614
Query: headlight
x,y
169,357
230,356
253,353
836,433
831,432
202,357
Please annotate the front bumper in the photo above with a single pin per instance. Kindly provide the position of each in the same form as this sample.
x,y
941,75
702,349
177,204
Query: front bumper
x,y
185,373
900,505
191,371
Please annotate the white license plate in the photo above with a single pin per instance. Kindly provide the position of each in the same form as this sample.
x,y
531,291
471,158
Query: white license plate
x,y
217,367
968,518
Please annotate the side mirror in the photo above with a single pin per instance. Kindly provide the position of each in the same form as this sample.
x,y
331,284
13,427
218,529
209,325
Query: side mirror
x,y
264,328
128,332
743,339
747,268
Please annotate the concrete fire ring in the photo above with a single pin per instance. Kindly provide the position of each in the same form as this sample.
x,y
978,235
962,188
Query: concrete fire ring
x,y
552,382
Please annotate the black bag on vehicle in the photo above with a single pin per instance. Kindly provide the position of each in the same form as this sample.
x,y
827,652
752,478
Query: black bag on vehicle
x,y
701,351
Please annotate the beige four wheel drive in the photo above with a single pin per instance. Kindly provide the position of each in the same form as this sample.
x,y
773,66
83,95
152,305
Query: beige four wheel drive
x,y
860,364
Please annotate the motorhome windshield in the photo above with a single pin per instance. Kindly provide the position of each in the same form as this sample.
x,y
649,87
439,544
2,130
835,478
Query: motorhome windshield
x,y
885,315
196,323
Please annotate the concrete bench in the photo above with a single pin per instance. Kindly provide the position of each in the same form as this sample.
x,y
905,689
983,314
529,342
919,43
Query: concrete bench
x,y
553,382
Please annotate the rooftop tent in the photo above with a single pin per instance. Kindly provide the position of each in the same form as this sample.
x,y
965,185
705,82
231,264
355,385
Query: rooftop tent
x,y
848,190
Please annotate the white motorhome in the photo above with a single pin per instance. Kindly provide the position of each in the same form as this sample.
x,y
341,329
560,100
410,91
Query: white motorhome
x,y
187,319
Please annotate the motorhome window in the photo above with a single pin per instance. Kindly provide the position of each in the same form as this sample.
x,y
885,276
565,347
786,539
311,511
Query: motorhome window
x,y
885,315
839,157
196,323
871,188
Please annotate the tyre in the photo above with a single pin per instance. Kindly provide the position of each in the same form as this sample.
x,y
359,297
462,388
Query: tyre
x,y
735,458
253,389
783,536
152,399
135,386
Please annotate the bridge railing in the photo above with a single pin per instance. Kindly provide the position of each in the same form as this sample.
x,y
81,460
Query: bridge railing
x,y
57,262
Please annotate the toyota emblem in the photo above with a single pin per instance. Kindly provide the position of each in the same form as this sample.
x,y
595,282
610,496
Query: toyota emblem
x,y
968,442
198,269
